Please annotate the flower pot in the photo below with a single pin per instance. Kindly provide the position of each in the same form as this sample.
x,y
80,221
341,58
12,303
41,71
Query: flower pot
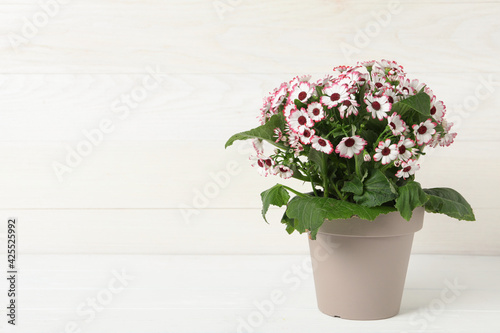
x,y
360,266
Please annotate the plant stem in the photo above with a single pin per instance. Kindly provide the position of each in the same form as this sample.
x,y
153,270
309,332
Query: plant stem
x,y
325,188
295,192
341,197
380,136
358,162
324,175
314,189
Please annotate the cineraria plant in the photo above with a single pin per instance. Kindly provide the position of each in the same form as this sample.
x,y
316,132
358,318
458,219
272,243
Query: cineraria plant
x,y
356,137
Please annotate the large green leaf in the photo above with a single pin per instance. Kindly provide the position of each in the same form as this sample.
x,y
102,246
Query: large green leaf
x,y
353,186
450,202
309,213
263,132
410,197
420,103
276,196
377,190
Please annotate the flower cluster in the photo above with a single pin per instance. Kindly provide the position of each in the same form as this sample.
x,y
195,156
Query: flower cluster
x,y
364,117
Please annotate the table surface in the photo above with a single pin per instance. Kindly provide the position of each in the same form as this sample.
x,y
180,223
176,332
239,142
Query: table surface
x,y
234,293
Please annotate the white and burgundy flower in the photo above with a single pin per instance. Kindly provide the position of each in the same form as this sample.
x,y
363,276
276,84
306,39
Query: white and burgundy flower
x,y
315,111
367,158
408,168
348,107
404,148
350,146
379,82
279,95
397,125
278,134
283,171
448,138
294,140
429,92
258,145
437,109
302,91
342,69
392,95
378,106
424,131
265,111
307,136
335,95
325,81
417,85
350,79
299,121
390,67
405,88
263,164
288,109
386,152
368,64
296,80
321,144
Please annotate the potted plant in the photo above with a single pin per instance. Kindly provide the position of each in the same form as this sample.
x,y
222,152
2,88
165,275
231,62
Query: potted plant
x,y
356,137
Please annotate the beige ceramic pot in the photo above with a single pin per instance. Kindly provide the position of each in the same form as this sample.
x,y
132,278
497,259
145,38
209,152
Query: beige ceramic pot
x,y
360,266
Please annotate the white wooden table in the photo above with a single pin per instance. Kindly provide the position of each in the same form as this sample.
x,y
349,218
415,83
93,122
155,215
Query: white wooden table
x,y
238,293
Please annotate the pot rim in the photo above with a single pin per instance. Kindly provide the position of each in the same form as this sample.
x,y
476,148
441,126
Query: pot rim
x,y
385,225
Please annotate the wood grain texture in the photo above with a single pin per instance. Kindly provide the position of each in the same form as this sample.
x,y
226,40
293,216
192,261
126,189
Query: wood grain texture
x,y
253,37
165,293
215,231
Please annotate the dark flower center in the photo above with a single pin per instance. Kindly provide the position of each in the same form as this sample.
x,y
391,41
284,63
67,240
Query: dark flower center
x,y
347,103
269,162
283,169
307,133
422,130
376,105
392,125
407,169
386,151
391,100
302,95
402,149
322,142
379,85
349,142
259,162
316,111
302,120
433,110
335,97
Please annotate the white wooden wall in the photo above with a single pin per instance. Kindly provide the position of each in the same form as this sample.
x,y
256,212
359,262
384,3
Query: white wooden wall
x,y
137,190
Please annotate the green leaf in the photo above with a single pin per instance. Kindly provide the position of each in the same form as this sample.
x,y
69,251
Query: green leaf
x,y
354,186
290,223
448,201
276,196
377,190
420,103
410,197
316,157
309,213
263,132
